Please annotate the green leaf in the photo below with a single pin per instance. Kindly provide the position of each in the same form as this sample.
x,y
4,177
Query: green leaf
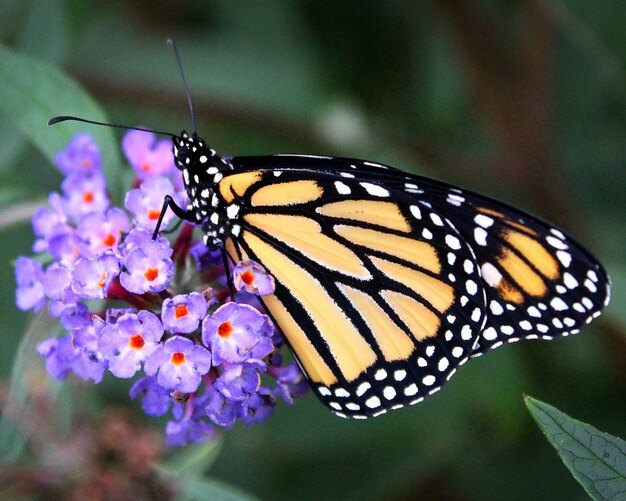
x,y
24,373
186,467
192,460
194,489
44,32
596,459
33,91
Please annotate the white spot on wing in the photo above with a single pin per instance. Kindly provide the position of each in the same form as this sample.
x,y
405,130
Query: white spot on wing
x,y
375,190
342,188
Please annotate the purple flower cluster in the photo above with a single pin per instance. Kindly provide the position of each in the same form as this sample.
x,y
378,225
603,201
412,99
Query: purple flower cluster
x,y
191,356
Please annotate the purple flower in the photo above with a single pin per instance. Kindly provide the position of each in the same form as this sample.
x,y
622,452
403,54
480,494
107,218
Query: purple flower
x,y
56,280
251,277
70,310
93,276
155,400
82,155
222,410
148,267
62,358
180,364
237,333
102,232
238,381
86,337
113,314
190,426
204,257
137,236
183,313
85,194
30,290
65,247
129,342
146,202
290,382
258,406
147,156
49,222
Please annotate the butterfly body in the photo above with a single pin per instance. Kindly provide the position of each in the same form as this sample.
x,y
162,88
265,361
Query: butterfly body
x,y
387,282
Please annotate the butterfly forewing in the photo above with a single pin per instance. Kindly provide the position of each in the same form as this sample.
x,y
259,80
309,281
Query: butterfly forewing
x,y
540,283
387,282
379,298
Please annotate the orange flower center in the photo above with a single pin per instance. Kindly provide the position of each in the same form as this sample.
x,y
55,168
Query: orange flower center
x,y
181,311
145,166
86,164
225,329
248,277
88,197
109,240
154,214
103,278
151,274
136,342
178,358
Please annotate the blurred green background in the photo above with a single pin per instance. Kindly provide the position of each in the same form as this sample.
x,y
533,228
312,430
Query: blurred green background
x,y
522,100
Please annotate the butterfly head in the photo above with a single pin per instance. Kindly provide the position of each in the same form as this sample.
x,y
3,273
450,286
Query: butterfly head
x,y
194,154
202,171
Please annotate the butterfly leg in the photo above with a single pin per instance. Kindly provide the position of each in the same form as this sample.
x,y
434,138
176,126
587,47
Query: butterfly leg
x,y
229,277
181,213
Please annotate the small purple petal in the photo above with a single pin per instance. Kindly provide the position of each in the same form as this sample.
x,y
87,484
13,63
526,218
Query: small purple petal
x,y
93,276
222,410
102,232
146,202
85,194
155,400
258,406
237,382
183,313
62,358
127,343
147,156
290,382
82,155
190,425
179,363
251,277
56,280
148,267
204,257
30,292
236,333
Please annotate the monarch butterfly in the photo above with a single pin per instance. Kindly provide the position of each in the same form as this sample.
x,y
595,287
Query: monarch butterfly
x,y
386,282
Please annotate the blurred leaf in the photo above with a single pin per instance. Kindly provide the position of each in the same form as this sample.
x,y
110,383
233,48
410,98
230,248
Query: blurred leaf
x,y
186,467
596,459
192,460
27,363
44,33
615,310
200,489
9,12
11,145
34,91
16,213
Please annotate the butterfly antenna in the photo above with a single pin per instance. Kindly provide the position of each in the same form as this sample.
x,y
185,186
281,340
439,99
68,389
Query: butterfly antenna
x,y
172,44
65,118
